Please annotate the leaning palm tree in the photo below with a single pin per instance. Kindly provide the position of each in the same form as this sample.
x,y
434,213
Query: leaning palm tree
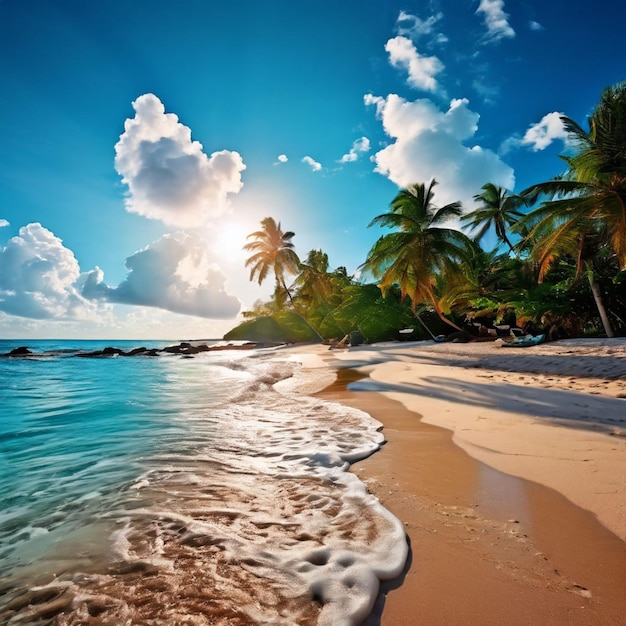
x,y
586,207
273,252
418,249
498,210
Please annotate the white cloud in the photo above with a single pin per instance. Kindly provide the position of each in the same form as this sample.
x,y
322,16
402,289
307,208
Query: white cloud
x,y
38,275
315,166
535,25
430,143
496,20
413,27
173,273
421,69
169,177
117,322
540,135
4,223
359,146
282,158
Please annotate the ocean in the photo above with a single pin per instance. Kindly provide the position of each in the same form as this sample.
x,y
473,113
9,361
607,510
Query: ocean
x,y
169,490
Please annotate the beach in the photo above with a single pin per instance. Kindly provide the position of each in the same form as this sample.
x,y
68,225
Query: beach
x,y
477,485
507,469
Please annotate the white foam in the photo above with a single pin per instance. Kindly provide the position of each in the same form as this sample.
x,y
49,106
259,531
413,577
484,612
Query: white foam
x,y
258,490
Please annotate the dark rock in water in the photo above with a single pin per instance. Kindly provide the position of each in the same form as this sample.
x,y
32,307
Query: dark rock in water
x,y
21,351
137,351
107,352
186,348
176,349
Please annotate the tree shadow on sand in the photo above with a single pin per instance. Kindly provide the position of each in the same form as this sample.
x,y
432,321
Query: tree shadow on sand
x,y
561,407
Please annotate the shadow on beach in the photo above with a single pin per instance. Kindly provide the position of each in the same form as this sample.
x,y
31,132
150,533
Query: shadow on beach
x,y
566,408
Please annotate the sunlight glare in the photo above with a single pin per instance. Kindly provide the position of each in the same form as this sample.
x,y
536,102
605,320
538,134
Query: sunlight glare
x,y
228,239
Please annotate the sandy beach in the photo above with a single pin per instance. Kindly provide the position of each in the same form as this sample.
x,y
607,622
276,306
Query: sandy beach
x,y
508,469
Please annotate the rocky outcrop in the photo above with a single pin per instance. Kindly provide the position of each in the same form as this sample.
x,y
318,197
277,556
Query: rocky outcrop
x,y
185,349
21,351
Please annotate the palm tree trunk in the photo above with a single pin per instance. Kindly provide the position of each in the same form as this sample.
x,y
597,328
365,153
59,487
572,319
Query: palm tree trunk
x,y
597,296
421,321
507,242
442,317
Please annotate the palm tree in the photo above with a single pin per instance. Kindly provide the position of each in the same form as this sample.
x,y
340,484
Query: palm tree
x,y
274,252
313,281
586,208
315,288
418,249
498,210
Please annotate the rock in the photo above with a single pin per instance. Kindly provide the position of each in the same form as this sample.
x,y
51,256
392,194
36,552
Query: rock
x,y
136,351
21,351
109,351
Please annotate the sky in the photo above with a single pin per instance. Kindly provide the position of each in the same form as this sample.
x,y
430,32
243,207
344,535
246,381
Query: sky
x,y
141,141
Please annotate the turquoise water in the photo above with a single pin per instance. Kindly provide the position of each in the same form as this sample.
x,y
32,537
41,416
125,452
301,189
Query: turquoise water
x,y
73,430
119,474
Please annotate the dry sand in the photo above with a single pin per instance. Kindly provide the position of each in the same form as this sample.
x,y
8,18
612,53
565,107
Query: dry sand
x,y
508,468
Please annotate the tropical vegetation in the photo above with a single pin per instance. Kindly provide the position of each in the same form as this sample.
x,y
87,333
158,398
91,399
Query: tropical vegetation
x,y
558,263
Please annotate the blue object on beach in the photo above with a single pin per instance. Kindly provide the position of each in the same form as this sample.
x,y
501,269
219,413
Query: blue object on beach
x,y
524,342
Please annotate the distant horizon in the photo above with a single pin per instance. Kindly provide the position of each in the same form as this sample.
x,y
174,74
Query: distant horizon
x,y
143,144
101,339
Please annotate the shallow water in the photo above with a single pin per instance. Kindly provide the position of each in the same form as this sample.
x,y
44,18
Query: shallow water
x,y
184,491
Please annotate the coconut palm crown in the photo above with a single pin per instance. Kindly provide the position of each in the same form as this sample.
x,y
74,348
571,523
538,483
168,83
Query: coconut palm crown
x,y
498,210
585,211
273,251
419,248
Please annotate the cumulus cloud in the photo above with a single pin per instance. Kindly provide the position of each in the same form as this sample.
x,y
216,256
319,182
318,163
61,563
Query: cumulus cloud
x,y
421,69
38,275
540,135
496,20
173,273
4,223
281,158
359,146
535,25
432,143
413,27
169,177
315,166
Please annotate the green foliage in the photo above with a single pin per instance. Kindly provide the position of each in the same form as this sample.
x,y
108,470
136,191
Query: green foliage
x,y
419,249
498,210
585,210
282,327
378,318
567,271
259,329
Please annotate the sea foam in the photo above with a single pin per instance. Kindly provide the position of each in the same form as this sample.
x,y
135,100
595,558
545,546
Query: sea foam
x,y
243,511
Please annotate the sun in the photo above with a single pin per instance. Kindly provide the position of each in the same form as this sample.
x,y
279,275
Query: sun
x,y
229,238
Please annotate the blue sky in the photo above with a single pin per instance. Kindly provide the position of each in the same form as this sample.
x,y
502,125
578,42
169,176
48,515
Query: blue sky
x,y
142,140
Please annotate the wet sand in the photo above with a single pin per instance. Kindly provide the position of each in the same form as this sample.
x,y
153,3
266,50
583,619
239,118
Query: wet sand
x,y
487,547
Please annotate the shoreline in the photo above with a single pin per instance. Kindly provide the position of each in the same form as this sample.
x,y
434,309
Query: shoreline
x,y
490,546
